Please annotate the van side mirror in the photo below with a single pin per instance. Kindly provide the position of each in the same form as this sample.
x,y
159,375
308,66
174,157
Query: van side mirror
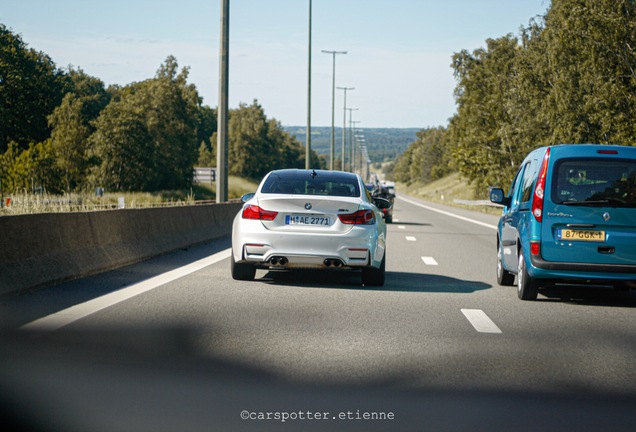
x,y
498,196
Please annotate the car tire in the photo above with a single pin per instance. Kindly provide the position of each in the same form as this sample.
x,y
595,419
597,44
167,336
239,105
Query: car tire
x,y
372,276
504,277
527,288
241,271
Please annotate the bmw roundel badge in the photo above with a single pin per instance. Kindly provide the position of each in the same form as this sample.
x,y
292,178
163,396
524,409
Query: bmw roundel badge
x,y
308,206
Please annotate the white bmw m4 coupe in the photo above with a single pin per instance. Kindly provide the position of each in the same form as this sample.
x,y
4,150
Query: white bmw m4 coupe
x,y
310,219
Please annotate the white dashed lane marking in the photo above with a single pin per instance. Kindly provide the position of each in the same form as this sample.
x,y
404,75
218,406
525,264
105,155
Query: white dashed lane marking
x,y
480,321
429,261
410,238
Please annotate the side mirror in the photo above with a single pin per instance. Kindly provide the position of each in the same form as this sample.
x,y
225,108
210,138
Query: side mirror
x,y
498,196
247,197
382,203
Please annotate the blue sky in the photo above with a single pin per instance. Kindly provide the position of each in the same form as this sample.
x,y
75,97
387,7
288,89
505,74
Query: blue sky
x,y
398,51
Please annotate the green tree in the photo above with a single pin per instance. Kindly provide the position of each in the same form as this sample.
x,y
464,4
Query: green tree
x,y
590,45
146,138
72,126
206,126
251,154
123,145
290,152
31,86
30,170
569,78
482,151
206,157
173,126
426,159
257,145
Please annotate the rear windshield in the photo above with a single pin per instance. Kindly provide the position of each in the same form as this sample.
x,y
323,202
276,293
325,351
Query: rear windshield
x,y
305,184
595,182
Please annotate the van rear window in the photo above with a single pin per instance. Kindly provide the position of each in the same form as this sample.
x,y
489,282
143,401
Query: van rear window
x,y
602,182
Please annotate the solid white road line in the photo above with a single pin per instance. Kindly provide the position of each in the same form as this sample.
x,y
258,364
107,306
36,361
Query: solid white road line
x,y
429,261
480,321
449,214
410,238
74,313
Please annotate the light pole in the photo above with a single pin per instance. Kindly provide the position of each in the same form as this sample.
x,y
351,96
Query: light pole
x,y
308,138
344,125
351,110
333,101
222,136
365,159
352,125
359,139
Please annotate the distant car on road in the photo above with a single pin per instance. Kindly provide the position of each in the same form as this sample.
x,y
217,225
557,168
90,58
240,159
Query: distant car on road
x,y
379,190
310,219
390,187
569,217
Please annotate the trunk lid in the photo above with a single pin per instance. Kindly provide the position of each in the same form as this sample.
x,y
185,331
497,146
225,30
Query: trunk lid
x,y
308,213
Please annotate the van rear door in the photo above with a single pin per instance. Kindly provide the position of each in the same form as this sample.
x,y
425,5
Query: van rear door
x,y
591,214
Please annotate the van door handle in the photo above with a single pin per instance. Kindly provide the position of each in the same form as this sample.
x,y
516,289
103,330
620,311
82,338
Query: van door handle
x,y
606,249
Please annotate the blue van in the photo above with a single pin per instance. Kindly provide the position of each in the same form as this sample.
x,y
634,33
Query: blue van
x,y
569,218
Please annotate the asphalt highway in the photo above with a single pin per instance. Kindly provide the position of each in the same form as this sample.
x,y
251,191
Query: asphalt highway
x,y
439,324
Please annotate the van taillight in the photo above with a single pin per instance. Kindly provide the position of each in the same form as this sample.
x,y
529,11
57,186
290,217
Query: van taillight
x,y
539,189
607,151
535,248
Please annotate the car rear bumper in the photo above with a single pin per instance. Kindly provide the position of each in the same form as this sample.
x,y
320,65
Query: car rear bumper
x,y
354,249
550,269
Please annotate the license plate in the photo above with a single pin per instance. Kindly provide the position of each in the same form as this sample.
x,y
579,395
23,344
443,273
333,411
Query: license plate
x,y
581,235
307,220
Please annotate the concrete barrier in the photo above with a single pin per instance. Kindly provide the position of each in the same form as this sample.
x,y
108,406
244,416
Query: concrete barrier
x,y
42,249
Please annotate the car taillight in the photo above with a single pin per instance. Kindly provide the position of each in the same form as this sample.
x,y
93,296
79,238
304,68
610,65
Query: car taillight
x,y
539,189
255,212
361,217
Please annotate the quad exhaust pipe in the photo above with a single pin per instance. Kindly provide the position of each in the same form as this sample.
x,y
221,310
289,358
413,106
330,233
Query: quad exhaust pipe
x,y
278,261
333,263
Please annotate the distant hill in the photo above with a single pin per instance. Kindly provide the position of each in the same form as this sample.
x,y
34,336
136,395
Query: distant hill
x,y
383,144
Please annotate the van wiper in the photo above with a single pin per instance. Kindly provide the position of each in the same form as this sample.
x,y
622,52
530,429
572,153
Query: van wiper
x,y
595,203
599,203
